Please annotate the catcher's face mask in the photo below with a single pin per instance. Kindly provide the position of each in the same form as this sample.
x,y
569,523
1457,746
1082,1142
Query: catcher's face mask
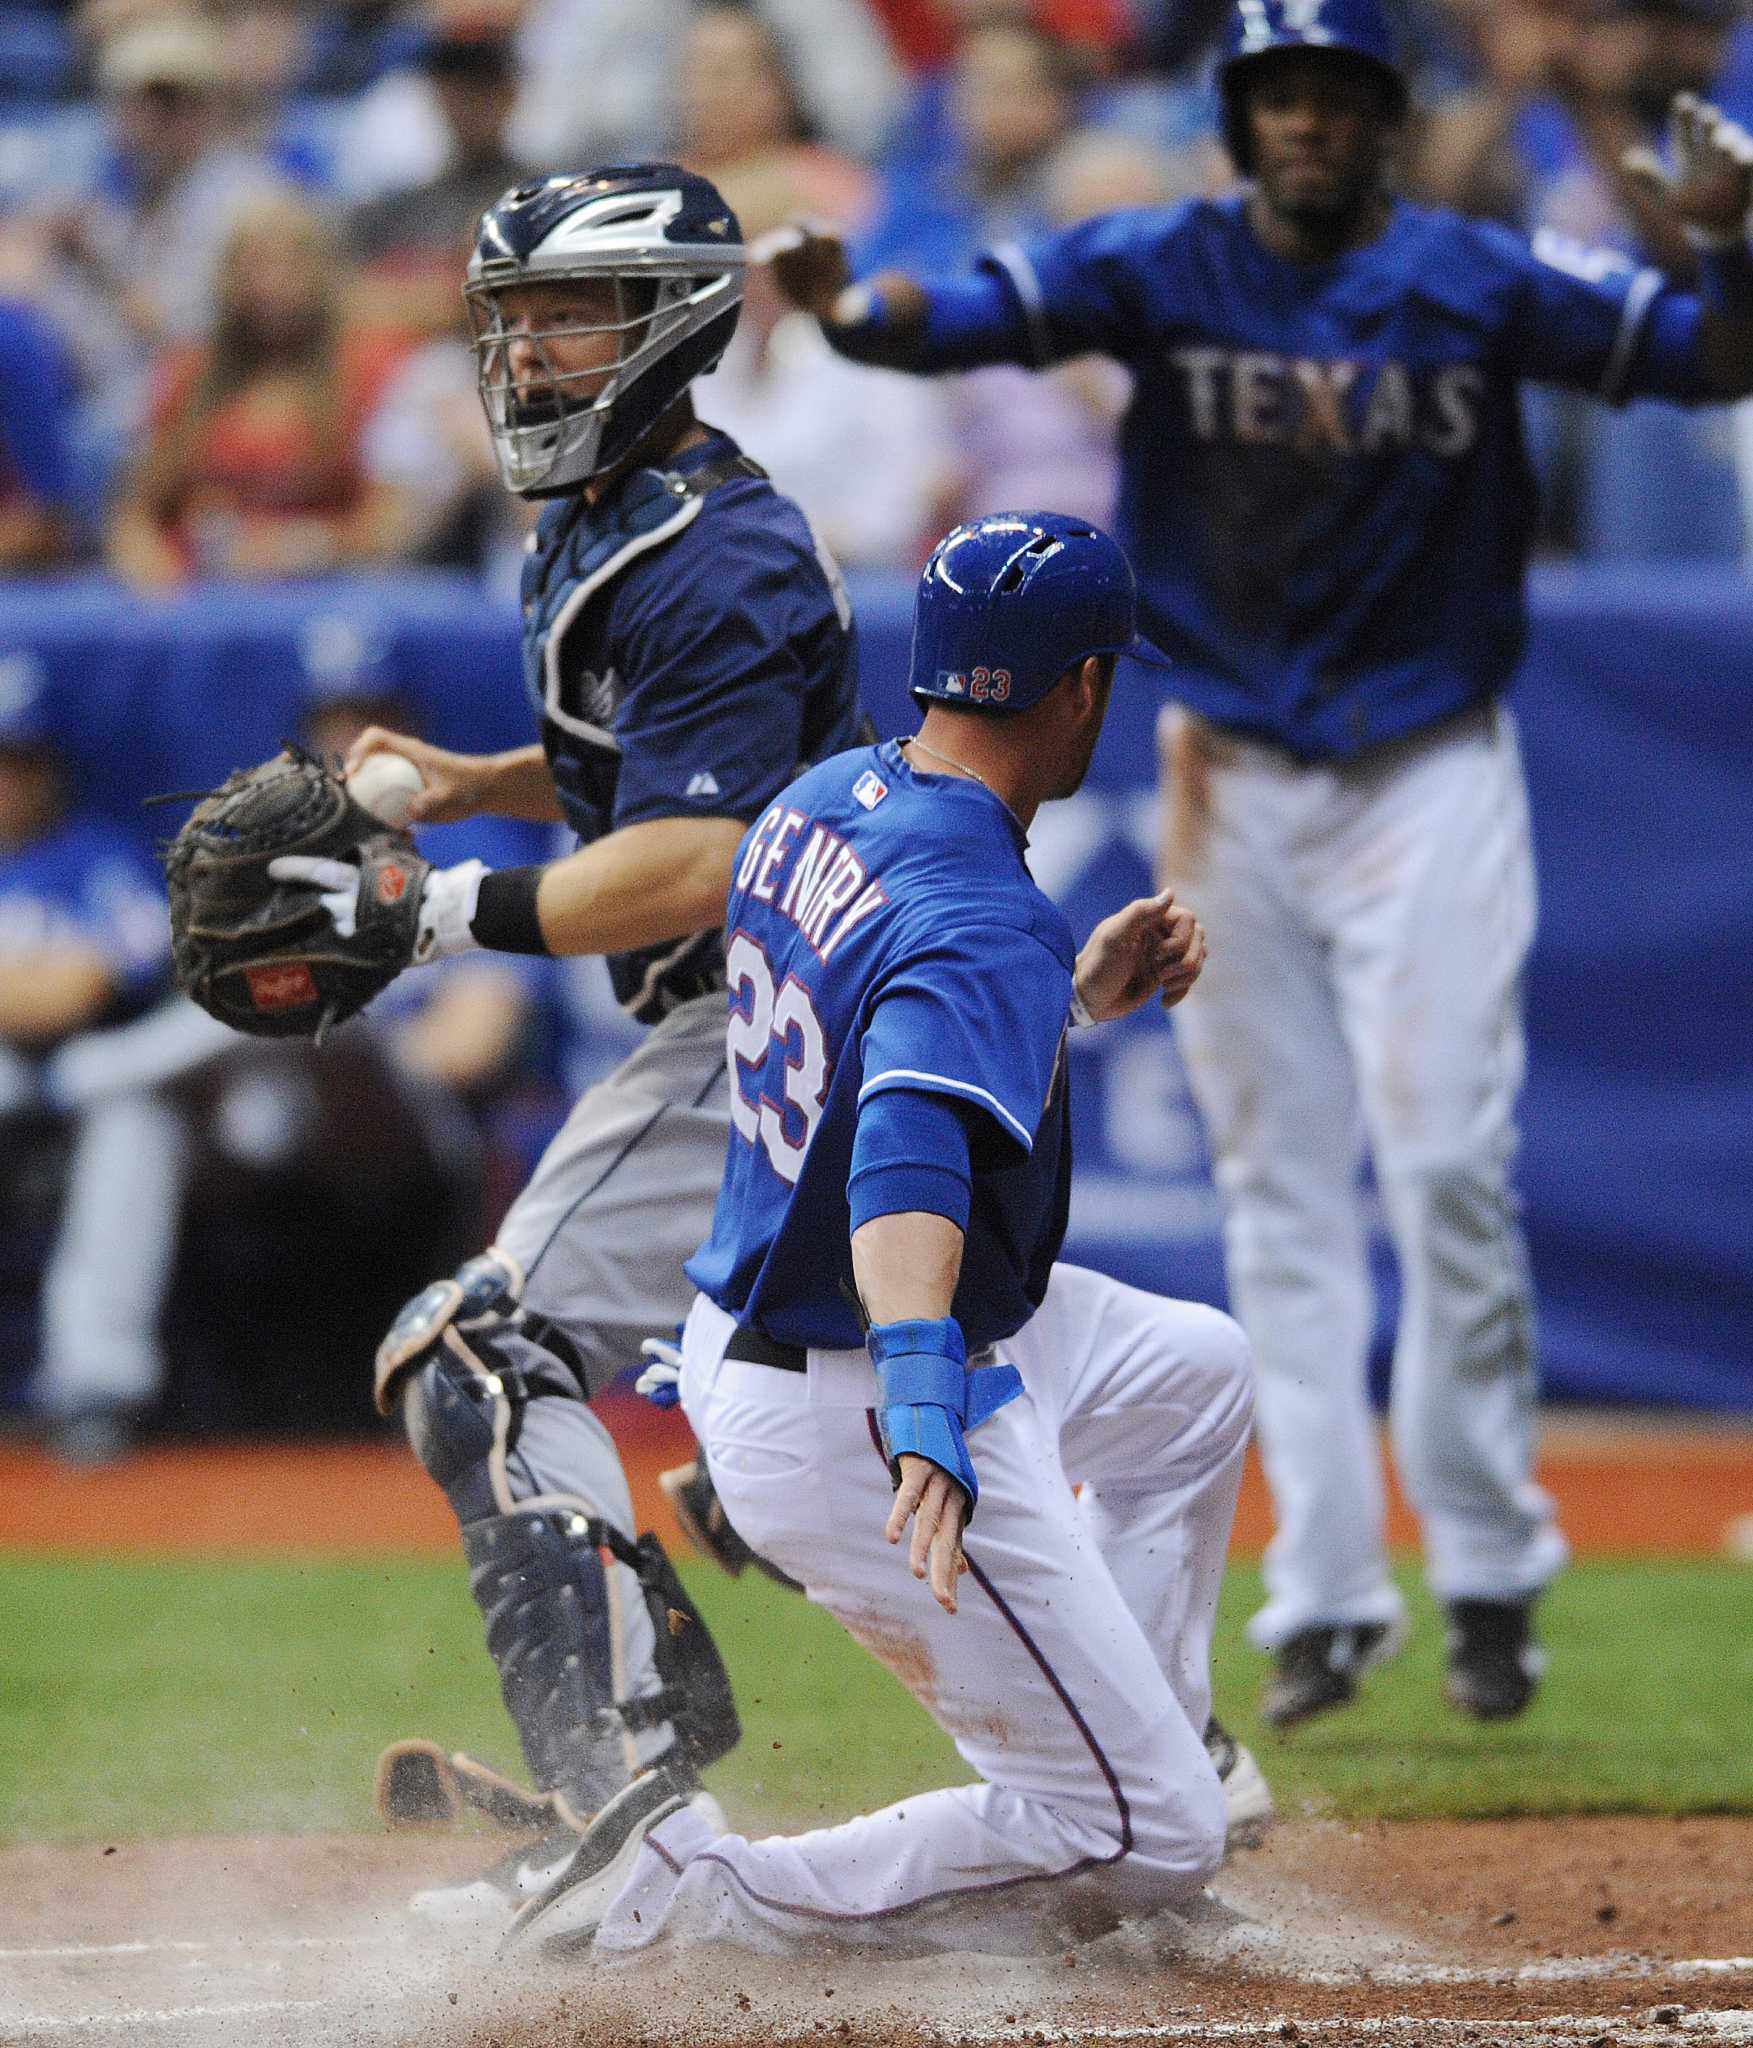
x,y
597,299
555,360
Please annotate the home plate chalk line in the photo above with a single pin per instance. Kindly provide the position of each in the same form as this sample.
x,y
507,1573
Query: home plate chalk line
x,y
1554,1970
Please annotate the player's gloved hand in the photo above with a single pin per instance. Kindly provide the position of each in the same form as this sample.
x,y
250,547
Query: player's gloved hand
x,y
660,1382
930,1398
447,903
335,881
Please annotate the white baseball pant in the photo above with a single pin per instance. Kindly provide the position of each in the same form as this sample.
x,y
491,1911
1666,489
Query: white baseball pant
x,y
1369,922
1074,1678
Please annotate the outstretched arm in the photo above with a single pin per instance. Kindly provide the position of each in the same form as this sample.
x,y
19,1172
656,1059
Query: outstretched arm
x,y
1707,193
893,321
879,321
515,784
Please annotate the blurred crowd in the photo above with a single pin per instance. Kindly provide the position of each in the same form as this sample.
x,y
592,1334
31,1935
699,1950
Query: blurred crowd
x,y
233,348
231,234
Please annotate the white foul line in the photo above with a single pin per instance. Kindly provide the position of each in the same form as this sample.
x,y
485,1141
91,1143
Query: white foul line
x,y
1728,2026
254,2008
169,1947
1556,1970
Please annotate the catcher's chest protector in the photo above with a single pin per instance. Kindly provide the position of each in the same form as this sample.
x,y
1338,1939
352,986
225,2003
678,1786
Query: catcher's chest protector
x,y
579,551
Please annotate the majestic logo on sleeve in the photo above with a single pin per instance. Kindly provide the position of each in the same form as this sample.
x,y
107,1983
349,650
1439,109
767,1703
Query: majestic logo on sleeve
x,y
1334,406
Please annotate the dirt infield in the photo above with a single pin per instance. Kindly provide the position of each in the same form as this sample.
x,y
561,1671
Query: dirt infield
x,y
1681,1490
1611,1932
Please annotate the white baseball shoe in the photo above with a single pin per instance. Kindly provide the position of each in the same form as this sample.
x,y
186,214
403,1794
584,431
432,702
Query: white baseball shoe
x,y
1247,1798
521,1874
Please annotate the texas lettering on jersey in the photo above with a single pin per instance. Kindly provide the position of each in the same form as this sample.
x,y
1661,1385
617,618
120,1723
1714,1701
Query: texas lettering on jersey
x,y
1341,405
1325,491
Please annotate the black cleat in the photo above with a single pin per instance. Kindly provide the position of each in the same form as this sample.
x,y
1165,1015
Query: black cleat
x,y
564,1918
1318,1668
1494,1662
694,1499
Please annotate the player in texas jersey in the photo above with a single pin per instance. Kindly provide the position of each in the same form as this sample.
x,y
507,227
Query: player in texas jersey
x,y
1326,497
894,1198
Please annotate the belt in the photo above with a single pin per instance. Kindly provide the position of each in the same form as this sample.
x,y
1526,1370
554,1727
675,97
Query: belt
x,y
748,1347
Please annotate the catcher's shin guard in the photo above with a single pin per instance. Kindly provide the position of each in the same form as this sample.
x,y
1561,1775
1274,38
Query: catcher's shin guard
x,y
541,1584
547,1586
701,1518
603,1662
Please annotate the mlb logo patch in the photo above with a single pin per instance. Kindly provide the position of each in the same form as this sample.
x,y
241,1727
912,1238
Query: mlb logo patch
x,y
954,683
869,790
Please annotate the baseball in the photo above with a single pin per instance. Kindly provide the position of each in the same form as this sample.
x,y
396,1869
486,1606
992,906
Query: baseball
x,y
386,786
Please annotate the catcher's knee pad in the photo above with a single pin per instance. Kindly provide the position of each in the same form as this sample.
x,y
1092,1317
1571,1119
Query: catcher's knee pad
x,y
546,1582
464,1357
479,1297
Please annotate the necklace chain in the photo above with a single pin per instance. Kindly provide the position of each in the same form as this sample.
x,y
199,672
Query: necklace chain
x,y
949,761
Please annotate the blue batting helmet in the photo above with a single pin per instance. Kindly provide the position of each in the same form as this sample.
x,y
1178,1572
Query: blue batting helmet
x,y
1356,29
672,249
1008,603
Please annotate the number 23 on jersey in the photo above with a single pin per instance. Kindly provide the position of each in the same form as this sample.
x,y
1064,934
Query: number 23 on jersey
x,y
778,1058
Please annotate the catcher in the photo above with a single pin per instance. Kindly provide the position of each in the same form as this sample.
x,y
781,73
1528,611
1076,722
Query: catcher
x,y
687,647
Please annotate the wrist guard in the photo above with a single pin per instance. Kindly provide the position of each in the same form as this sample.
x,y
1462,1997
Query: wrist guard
x,y
930,1400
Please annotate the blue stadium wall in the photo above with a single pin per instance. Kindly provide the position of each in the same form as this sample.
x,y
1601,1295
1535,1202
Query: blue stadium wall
x,y
1635,704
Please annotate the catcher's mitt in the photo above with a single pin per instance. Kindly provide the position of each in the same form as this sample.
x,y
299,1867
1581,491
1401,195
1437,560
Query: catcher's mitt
x,y
264,956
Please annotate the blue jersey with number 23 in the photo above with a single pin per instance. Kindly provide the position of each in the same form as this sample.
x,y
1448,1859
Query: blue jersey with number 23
x,y
883,932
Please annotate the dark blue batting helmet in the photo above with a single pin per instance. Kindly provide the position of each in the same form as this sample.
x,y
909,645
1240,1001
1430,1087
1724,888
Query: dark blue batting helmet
x,y
1356,29
1008,603
670,247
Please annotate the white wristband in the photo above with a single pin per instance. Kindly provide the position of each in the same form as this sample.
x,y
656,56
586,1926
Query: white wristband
x,y
1080,1010
447,909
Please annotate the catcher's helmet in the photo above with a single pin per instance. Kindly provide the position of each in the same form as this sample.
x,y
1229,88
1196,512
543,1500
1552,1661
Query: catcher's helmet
x,y
1008,603
1355,29
674,253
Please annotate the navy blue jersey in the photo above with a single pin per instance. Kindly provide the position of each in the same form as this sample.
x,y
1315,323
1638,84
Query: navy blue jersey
x,y
1324,489
883,932
688,647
